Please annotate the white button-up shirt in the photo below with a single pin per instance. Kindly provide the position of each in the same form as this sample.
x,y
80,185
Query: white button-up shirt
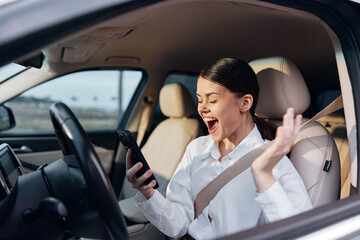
x,y
236,207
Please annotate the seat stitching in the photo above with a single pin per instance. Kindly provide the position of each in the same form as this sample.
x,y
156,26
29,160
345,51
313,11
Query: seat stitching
x,y
305,137
316,187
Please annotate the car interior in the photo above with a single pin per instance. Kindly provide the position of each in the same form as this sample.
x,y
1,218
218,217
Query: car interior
x,y
296,56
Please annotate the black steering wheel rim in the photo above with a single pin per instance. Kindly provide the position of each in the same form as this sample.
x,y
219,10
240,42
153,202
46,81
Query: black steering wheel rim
x,y
73,139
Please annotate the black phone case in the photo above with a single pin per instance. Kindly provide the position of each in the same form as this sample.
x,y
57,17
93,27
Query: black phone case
x,y
129,142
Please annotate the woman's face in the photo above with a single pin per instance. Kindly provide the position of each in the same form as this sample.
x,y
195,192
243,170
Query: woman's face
x,y
219,108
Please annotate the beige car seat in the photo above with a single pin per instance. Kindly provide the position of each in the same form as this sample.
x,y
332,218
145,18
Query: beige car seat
x,y
314,154
335,124
163,151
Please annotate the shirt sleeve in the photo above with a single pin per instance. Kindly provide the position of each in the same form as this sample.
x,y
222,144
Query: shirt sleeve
x,y
171,215
287,196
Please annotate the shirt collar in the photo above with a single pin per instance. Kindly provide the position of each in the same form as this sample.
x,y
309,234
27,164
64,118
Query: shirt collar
x,y
250,142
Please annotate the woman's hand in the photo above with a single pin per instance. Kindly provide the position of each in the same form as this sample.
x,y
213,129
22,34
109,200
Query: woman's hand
x,y
138,183
285,137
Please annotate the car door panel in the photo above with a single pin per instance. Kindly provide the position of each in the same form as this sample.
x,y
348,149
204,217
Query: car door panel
x,y
31,161
35,150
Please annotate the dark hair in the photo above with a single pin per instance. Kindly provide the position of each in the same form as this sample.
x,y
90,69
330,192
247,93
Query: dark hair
x,y
237,76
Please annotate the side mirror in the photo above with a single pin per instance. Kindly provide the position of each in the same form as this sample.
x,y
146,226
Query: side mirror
x,y
7,120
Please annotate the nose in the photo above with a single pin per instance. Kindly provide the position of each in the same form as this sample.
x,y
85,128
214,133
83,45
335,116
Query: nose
x,y
203,108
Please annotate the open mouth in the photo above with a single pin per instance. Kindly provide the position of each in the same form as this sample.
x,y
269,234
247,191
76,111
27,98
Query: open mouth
x,y
211,124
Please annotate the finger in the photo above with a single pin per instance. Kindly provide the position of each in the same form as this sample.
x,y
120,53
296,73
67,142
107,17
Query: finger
x,y
298,122
143,178
130,174
297,125
148,186
288,120
288,124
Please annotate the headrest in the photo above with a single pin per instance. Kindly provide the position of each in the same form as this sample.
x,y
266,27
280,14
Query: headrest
x,y
175,101
281,86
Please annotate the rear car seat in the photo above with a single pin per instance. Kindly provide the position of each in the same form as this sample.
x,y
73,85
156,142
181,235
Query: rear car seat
x,y
163,151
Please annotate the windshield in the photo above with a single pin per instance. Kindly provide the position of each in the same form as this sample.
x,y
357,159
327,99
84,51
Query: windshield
x,y
10,70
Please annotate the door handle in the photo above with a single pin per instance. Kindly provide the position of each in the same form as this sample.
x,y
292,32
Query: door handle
x,y
22,149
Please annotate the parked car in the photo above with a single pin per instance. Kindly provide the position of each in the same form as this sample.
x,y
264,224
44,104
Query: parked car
x,y
107,61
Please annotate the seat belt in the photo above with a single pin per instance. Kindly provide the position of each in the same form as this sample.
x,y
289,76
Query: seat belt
x,y
209,191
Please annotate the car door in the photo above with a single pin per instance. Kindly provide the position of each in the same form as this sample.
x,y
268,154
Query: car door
x,y
98,98
337,220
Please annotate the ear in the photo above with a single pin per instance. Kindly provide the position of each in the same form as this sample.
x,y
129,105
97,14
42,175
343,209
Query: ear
x,y
245,102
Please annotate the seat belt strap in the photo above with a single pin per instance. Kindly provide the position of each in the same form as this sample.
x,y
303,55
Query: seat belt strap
x,y
209,191
332,107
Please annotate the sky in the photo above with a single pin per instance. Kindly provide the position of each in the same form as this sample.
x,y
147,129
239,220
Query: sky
x,y
9,70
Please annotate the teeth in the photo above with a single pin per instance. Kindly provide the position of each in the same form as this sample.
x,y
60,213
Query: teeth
x,y
209,119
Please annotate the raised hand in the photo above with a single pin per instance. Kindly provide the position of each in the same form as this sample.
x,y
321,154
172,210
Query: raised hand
x,y
285,137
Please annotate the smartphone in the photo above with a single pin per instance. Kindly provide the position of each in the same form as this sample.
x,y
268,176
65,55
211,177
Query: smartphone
x,y
129,142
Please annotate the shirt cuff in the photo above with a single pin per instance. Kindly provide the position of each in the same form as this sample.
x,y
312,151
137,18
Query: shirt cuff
x,y
274,203
152,207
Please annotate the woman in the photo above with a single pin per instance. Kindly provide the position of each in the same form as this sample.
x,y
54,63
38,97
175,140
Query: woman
x,y
270,190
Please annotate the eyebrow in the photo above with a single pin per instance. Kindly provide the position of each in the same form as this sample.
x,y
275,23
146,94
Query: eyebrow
x,y
208,94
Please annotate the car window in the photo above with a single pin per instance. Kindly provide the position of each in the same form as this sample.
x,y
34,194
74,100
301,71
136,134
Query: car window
x,y
190,82
10,70
326,97
97,97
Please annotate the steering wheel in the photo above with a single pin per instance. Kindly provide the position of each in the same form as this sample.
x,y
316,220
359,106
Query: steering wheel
x,y
73,139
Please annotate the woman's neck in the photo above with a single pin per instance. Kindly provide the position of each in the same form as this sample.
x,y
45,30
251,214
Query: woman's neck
x,y
230,143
